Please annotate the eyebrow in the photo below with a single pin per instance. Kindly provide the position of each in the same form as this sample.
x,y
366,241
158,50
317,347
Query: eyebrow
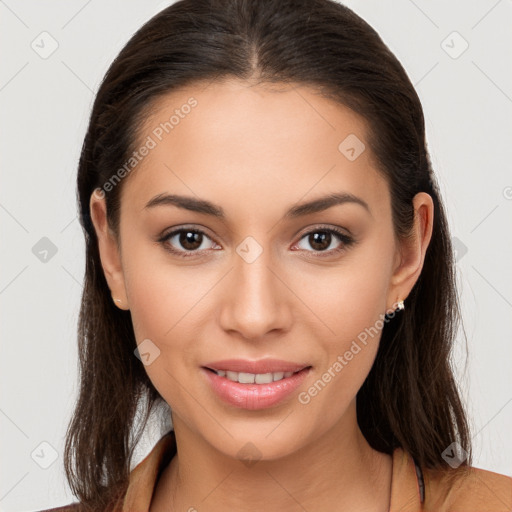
x,y
206,207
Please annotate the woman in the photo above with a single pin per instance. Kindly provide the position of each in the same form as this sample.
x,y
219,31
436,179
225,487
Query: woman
x,y
269,261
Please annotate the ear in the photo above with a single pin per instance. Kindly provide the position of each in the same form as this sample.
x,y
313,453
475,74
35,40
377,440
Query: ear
x,y
411,252
110,254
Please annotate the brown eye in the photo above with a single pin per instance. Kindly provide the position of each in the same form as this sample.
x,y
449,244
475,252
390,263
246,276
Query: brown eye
x,y
190,240
186,242
323,240
320,240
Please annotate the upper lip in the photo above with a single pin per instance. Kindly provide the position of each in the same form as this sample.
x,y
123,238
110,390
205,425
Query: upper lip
x,y
259,366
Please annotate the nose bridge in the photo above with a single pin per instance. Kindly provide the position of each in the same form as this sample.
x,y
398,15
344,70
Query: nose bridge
x,y
254,303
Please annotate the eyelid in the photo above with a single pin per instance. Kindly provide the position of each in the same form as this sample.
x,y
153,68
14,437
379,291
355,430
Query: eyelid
x,y
325,227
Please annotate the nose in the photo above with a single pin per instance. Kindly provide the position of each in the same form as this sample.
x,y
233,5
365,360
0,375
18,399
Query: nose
x,y
255,299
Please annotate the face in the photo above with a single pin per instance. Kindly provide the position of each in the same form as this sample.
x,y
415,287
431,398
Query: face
x,y
255,275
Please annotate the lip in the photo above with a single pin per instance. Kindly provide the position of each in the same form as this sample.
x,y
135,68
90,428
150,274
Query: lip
x,y
260,366
255,396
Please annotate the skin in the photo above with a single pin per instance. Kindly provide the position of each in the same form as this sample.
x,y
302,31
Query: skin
x,y
257,151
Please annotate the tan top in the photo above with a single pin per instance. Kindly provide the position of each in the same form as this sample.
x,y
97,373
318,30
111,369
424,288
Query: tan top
x,y
412,490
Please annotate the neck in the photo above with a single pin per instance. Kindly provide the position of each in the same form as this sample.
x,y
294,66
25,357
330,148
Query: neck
x,y
338,471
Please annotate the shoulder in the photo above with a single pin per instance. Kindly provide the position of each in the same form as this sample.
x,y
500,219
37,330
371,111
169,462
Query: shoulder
x,y
141,481
467,489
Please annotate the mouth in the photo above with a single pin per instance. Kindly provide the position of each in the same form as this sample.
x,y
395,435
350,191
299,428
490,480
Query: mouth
x,y
254,385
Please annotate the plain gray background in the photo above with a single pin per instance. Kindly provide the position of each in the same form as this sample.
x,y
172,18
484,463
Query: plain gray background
x,y
45,102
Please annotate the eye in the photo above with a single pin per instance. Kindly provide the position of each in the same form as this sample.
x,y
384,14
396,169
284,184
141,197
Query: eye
x,y
190,240
186,242
322,239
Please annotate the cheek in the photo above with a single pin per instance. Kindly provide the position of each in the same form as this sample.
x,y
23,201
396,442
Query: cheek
x,y
355,314
351,303
163,295
349,298
167,307
170,305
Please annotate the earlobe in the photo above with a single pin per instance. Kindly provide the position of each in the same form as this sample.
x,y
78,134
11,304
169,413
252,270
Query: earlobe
x,y
412,251
108,249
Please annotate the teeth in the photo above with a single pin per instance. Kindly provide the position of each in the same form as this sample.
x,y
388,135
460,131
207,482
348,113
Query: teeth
x,y
232,376
253,378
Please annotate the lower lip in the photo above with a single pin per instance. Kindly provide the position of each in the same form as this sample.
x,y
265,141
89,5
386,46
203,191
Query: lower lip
x,y
254,396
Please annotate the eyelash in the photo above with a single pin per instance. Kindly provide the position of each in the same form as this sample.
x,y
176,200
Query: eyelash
x,y
345,240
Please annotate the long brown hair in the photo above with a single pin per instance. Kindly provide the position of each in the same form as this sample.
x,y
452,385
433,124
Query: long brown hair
x,y
410,398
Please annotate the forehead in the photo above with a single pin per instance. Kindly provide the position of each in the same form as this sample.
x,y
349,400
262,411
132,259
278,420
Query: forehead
x,y
254,146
